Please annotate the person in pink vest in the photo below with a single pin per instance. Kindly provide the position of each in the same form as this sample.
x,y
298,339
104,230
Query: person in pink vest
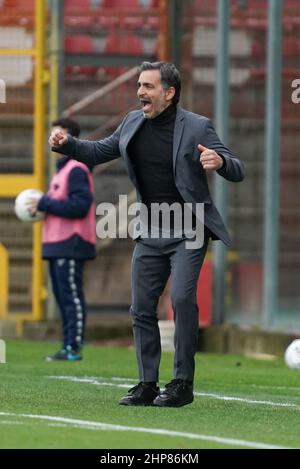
x,y
69,238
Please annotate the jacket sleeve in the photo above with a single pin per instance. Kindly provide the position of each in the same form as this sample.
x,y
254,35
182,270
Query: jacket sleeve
x,y
92,153
233,168
79,199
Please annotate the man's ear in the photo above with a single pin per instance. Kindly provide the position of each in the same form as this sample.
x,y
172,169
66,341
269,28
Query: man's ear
x,y
170,93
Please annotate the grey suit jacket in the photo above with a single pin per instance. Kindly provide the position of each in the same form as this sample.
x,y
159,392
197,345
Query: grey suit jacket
x,y
190,178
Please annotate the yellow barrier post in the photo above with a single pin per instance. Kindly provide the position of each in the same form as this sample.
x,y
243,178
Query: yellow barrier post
x,y
41,78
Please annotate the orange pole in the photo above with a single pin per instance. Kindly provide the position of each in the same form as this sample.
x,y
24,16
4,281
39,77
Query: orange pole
x,y
164,38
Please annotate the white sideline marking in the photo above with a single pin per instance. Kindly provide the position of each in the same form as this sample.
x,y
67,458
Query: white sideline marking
x,y
248,401
94,381
98,382
286,388
90,425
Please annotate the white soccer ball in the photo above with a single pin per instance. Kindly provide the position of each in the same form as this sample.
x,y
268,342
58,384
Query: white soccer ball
x,y
22,210
292,355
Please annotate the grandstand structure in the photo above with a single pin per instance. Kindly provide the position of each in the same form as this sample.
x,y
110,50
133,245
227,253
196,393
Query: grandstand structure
x,y
103,40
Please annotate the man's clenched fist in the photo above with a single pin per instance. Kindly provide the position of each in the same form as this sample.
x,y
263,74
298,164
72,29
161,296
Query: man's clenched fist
x,y
57,138
209,159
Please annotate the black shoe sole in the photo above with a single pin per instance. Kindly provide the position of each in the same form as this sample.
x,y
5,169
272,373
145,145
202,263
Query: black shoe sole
x,y
136,404
166,404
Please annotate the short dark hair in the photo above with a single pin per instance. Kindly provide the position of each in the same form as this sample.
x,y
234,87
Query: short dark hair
x,y
169,76
68,124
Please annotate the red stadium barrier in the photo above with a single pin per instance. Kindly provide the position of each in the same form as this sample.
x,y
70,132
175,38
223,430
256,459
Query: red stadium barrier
x,y
204,296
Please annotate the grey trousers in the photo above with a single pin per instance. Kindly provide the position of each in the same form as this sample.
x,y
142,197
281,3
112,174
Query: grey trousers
x,y
152,263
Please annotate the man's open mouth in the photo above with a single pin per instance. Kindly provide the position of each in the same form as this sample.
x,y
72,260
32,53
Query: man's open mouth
x,y
146,105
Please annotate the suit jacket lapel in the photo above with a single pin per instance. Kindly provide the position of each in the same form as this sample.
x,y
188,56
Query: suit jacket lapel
x,y
135,127
178,131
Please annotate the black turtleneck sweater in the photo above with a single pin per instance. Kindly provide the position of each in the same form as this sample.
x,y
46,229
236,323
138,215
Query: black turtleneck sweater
x,y
151,153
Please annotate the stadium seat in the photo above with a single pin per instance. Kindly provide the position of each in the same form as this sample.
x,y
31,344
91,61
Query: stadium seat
x,y
78,22
128,43
72,6
16,6
78,14
79,44
107,22
17,13
127,14
120,4
154,4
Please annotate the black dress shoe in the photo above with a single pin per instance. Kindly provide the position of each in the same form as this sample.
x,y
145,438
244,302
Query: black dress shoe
x,y
141,394
176,394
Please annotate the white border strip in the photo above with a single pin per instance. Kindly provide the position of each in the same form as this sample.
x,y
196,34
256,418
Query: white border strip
x,y
90,425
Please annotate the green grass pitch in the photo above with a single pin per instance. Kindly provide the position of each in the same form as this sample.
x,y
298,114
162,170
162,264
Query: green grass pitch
x,y
239,402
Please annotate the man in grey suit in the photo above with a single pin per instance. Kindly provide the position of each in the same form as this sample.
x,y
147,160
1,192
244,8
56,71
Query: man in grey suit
x,y
167,151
